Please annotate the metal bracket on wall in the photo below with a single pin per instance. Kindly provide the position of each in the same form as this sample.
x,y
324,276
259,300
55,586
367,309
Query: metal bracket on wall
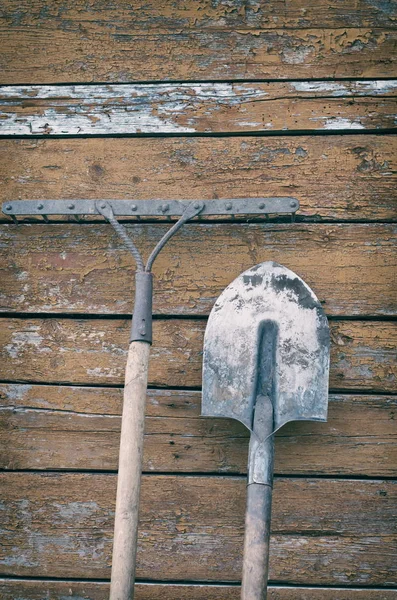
x,y
152,208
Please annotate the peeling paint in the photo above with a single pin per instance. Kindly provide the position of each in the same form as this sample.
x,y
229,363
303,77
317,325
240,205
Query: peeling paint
x,y
19,559
73,510
20,339
341,123
297,56
98,372
17,391
178,108
338,88
22,275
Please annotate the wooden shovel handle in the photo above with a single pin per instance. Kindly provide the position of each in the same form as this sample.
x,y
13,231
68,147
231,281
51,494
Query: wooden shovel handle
x,y
256,542
259,503
129,475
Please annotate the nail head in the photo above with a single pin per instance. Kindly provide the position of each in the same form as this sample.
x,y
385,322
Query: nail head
x,y
228,206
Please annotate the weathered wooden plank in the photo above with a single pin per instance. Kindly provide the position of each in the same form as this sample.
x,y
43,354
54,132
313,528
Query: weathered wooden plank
x,y
166,15
41,425
78,269
324,532
45,56
26,589
197,108
349,177
83,42
94,351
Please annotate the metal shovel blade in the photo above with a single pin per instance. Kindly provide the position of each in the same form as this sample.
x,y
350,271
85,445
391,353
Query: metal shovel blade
x,y
266,306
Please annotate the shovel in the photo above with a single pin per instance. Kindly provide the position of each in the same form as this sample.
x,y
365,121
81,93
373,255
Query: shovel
x,y
266,363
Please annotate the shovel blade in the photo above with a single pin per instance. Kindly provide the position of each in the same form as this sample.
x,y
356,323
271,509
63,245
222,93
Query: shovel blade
x,y
267,316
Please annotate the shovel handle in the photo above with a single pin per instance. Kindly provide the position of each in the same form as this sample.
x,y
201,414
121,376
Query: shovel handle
x,y
259,503
256,542
129,474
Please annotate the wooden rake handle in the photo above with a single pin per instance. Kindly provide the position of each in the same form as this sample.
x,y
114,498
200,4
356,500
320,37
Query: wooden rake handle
x,y
129,476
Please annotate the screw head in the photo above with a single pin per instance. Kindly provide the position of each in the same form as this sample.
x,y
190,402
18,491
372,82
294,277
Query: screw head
x,y
293,204
196,205
71,206
40,206
103,205
228,206
262,205
164,208
134,207
9,207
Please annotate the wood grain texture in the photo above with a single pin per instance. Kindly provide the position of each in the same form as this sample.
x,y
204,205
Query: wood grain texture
x,y
94,351
46,427
166,15
323,531
340,177
130,464
197,108
79,42
88,269
60,590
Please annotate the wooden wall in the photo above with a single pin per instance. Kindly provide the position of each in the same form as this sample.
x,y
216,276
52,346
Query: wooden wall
x,y
175,99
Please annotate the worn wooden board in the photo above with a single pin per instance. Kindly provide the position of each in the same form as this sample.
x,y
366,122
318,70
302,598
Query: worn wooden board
x,y
40,425
94,351
191,528
87,269
197,108
80,42
26,589
340,177
166,15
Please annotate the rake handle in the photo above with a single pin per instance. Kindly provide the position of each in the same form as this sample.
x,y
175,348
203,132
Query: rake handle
x,y
129,474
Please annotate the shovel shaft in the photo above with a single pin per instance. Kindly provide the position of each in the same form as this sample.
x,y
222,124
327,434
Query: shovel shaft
x,y
129,475
259,503
256,542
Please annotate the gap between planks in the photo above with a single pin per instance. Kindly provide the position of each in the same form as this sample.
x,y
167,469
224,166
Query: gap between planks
x,y
27,588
